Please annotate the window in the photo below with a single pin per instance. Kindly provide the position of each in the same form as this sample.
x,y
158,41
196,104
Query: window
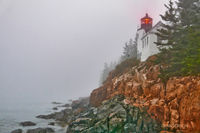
x,y
142,43
146,42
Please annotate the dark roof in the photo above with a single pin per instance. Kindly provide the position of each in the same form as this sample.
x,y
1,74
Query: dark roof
x,y
150,31
146,17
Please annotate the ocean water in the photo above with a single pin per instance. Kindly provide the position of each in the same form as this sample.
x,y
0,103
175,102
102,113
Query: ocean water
x,y
11,114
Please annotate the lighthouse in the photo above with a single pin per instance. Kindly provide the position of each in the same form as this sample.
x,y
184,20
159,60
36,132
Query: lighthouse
x,y
146,38
146,23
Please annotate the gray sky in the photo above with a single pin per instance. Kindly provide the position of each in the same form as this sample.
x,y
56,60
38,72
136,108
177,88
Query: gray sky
x,y
56,49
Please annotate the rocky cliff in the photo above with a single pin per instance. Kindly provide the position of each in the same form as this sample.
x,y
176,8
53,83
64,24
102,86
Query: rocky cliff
x,y
176,104
114,116
136,101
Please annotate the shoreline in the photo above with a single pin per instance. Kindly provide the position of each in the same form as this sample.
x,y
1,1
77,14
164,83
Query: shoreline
x,y
13,114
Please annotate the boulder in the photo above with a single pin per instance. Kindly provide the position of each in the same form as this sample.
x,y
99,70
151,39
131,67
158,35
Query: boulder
x,y
51,123
17,131
63,115
56,103
55,108
129,127
41,130
27,123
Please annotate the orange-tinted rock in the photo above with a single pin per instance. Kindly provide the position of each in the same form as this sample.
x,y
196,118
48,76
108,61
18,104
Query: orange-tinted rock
x,y
156,89
157,112
174,120
179,109
98,95
166,114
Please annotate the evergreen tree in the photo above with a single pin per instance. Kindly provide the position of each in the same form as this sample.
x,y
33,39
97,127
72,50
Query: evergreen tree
x,y
167,34
130,50
185,54
107,69
185,58
189,12
104,73
182,36
169,27
126,51
190,54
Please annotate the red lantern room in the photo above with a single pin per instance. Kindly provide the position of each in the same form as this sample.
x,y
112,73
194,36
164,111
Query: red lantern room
x,y
146,23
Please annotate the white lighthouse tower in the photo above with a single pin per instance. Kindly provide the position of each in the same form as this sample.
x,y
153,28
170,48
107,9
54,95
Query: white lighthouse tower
x,y
146,38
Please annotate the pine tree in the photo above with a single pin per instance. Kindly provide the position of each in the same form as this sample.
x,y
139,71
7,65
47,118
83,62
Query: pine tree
x,y
107,69
130,50
185,54
191,61
189,12
167,34
183,41
126,51
169,27
104,73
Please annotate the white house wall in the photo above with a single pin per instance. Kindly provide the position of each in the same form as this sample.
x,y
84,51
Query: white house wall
x,y
153,46
140,33
147,49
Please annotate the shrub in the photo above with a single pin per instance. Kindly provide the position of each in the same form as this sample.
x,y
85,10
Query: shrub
x,y
124,66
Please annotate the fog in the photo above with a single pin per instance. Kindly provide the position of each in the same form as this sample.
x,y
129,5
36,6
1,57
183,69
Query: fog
x,y
54,50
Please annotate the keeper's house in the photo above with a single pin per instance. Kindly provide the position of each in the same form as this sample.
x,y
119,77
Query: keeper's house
x,y
146,38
